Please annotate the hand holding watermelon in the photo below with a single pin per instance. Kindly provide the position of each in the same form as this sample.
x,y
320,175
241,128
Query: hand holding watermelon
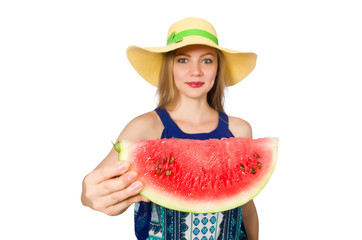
x,y
111,189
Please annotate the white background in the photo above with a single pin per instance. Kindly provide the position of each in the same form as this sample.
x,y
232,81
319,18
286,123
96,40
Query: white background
x,y
67,90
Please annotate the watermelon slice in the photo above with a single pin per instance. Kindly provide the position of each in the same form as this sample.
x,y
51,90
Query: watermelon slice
x,y
201,175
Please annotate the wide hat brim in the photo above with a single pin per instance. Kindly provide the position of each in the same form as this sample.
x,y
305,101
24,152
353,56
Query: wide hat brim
x,y
147,61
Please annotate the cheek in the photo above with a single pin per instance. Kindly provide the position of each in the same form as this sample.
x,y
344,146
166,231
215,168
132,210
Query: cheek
x,y
212,75
177,79
178,74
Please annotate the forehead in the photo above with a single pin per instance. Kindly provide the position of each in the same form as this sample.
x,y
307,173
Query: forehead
x,y
196,49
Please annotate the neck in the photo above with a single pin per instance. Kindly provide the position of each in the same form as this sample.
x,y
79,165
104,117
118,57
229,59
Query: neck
x,y
195,110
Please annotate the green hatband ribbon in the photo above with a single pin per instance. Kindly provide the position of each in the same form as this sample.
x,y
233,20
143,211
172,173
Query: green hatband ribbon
x,y
178,37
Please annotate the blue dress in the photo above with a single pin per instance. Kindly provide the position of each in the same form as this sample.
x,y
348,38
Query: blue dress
x,y
154,222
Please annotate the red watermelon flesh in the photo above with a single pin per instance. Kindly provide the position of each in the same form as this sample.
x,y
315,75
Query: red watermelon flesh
x,y
201,175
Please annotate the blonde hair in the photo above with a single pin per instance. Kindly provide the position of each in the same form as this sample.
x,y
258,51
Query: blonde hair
x,y
167,91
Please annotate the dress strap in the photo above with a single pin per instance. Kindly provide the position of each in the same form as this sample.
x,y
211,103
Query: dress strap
x,y
224,120
223,128
166,119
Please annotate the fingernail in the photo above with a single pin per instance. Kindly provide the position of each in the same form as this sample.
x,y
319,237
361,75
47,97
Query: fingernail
x,y
132,176
136,185
123,166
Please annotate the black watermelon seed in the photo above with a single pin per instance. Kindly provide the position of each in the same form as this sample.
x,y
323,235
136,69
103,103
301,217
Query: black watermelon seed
x,y
258,165
242,167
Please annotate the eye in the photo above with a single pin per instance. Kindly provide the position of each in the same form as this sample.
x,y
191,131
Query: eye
x,y
207,61
182,60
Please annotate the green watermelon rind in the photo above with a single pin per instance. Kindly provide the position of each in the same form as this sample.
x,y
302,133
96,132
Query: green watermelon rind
x,y
124,147
211,206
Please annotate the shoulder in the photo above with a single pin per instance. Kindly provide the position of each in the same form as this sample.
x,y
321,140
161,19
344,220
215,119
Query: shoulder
x,y
239,127
144,127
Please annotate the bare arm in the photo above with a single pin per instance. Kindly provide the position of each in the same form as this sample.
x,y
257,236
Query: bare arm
x,y
250,220
110,188
241,128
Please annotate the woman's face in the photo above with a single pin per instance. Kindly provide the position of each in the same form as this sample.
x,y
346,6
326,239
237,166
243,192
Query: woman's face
x,y
194,70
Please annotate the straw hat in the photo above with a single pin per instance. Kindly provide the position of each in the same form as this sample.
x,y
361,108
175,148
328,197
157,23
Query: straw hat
x,y
189,31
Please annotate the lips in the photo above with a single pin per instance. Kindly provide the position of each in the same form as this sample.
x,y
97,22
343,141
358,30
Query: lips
x,y
195,84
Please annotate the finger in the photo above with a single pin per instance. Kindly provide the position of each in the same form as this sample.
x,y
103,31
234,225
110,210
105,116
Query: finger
x,y
117,184
122,206
143,199
120,196
108,172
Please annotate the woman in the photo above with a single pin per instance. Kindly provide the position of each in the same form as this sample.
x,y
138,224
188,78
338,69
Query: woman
x,y
191,73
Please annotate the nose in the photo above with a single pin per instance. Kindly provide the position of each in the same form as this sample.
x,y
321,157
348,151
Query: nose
x,y
196,69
